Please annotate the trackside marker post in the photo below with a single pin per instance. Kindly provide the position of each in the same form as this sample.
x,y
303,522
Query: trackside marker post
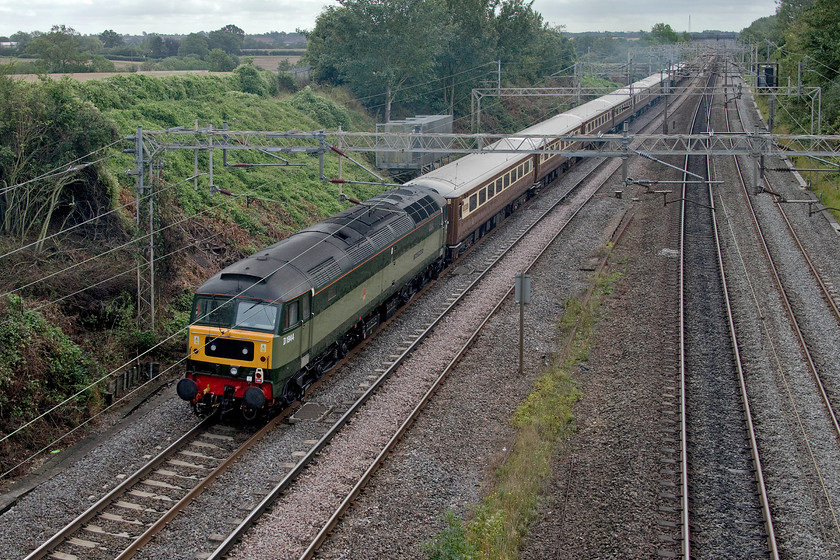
x,y
522,296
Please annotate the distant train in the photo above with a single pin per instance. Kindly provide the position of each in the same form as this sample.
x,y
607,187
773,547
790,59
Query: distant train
x,y
263,329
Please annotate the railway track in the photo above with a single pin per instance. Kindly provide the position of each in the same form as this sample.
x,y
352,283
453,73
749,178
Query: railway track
x,y
116,549
503,289
724,500
810,421
127,517
499,276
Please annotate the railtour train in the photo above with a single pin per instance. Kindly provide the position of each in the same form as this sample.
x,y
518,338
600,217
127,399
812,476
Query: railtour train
x,y
265,328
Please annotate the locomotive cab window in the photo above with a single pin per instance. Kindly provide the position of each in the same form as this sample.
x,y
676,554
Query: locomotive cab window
x,y
212,312
256,315
304,308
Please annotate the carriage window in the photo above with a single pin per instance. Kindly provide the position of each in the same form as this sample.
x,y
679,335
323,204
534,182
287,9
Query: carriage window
x,y
498,185
482,197
507,180
473,202
491,190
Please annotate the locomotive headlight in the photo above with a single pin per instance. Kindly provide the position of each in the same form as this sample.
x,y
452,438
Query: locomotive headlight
x,y
234,371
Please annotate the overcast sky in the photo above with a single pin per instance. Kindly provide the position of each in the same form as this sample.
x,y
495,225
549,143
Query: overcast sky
x,y
257,16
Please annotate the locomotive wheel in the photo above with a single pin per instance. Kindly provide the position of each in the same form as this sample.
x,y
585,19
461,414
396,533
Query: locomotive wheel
x,y
343,348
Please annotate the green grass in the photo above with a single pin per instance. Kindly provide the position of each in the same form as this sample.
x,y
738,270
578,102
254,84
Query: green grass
x,y
544,420
290,198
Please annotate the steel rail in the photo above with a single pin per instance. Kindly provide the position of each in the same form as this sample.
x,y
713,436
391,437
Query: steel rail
x,y
198,489
363,480
109,498
764,497
800,336
333,521
304,462
817,276
226,545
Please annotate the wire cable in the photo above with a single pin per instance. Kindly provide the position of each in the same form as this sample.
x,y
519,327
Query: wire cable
x,y
100,216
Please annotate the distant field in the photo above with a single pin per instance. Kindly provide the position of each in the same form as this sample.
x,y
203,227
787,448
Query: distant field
x,y
264,62
85,76
271,62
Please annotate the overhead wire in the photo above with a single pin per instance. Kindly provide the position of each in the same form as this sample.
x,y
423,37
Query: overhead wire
x,y
172,336
99,216
64,168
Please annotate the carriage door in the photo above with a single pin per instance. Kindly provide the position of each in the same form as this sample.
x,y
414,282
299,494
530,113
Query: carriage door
x,y
305,306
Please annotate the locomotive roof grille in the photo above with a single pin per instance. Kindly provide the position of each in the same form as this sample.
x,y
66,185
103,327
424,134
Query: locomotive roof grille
x,y
402,226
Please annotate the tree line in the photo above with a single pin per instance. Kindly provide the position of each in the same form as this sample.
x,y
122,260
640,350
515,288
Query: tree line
x,y
63,49
430,53
803,32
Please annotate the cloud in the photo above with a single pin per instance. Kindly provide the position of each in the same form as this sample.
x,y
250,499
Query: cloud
x,y
158,16
259,16
619,15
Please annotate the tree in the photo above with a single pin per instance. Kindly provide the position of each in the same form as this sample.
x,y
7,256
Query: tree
x,y
43,127
229,39
218,61
111,39
662,34
194,43
378,46
155,46
171,46
59,49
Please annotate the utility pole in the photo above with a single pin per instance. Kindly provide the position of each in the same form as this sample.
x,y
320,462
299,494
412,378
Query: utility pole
x,y
145,222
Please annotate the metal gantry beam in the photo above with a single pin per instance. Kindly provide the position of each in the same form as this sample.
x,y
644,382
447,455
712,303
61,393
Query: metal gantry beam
x,y
605,145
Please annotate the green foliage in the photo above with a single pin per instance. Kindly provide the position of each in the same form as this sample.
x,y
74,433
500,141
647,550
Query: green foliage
x,y
373,47
228,39
451,543
194,43
39,365
543,421
325,112
252,80
111,39
44,126
662,34
219,61
60,50
803,32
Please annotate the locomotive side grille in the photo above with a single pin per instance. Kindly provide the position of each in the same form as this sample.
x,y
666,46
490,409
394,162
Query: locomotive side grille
x,y
381,239
322,274
360,252
402,225
230,349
